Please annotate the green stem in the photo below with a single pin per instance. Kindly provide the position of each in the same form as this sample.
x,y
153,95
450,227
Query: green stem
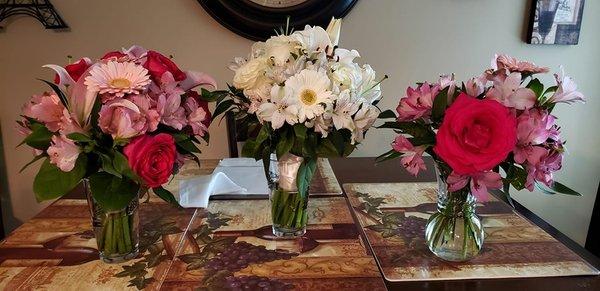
x,y
119,233
108,237
126,232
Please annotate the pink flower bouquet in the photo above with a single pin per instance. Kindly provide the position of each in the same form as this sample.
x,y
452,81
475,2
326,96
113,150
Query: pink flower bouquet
x,y
121,123
499,120
491,132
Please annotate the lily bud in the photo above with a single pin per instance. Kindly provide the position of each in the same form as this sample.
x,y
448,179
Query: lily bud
x,y
333,30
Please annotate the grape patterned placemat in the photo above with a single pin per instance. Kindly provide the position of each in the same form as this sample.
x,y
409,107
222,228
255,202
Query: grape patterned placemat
x,y
229,244
393,217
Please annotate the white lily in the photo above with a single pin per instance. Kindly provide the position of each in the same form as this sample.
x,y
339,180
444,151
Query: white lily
x,y
333,29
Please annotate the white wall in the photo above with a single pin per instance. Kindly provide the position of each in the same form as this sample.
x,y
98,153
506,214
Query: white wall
x,y
411,40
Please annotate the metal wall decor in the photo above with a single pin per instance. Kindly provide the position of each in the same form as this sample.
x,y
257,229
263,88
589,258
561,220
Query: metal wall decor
x,y
42,10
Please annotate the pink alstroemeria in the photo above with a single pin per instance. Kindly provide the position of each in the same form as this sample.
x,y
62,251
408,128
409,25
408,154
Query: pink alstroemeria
x,y
412,158
476,85
46,108
513,65
534,127
198,116
567,90
63,153
508,92
541,164
480,183
147,107
417,103
448,81
195,79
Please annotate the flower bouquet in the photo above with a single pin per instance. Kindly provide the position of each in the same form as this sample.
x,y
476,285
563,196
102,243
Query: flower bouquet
x,y
122,124
299,97
494,131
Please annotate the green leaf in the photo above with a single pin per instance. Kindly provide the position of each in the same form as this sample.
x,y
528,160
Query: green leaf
x,y
77,136
61,95
39,138
305,174
107,164
50,182
536,86
286,141
111,192
223,107
389,155
212,96
439,105
121,165
188,146
249,149
166,195
561,188
387,114
35,159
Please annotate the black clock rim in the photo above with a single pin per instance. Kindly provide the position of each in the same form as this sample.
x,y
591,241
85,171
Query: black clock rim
x,y
257,22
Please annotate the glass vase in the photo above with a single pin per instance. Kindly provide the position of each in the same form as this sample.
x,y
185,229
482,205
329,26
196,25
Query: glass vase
x,y
454,232
288,205
117,232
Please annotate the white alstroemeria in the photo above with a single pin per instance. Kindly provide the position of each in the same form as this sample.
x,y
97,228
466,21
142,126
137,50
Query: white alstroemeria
x,y
345,56
370,88
333,29
321,124
309,90
313,39
364,118
567,90
343,110
247,75
279,48
279,110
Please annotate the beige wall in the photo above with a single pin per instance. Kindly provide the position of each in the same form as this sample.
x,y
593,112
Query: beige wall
x,y
409,40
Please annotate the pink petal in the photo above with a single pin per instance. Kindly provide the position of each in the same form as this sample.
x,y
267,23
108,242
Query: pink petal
x,y
456,181
195,79
64,77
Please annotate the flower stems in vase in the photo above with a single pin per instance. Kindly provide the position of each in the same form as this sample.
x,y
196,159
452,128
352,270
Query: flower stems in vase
x,y
116,235
288,209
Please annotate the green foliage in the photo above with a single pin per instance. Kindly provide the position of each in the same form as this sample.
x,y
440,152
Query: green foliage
x,y
166,195
39,138
387,114
111,192
537,87
50,182
305,174
35,159
61,95
440,103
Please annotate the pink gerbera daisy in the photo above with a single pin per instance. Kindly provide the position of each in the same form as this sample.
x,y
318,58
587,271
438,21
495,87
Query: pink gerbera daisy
x,y
118,78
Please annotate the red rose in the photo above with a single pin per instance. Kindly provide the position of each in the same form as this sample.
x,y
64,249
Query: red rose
x,y
152,158
75,70
158,64
114,54
475,135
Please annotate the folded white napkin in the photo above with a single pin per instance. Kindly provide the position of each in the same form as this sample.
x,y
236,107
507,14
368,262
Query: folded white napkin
x,y
243,176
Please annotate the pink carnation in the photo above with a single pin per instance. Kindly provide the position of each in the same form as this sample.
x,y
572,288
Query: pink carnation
x,y
417,103
513,65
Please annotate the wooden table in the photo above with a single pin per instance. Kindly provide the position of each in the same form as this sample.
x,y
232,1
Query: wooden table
x,y
60,234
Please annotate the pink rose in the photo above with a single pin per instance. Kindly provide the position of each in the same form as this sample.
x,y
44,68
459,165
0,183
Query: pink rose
x,y
152,158
417,103
157,65
123,119
75,70
63,153
46,108
475,135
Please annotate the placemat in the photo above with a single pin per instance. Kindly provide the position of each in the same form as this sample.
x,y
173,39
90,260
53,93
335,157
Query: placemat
x,y
184,249
393,217
324,182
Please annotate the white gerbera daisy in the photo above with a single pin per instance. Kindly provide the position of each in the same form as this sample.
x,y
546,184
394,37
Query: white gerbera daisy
x,y
118,78
309,90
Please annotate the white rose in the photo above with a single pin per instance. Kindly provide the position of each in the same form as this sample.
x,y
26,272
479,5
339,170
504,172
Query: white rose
x,y
346,76
248,74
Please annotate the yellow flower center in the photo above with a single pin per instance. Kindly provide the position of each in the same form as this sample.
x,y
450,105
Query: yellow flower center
x,y
120,83
308,97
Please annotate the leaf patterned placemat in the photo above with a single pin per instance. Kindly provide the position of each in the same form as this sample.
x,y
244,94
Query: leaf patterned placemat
x,y
393,217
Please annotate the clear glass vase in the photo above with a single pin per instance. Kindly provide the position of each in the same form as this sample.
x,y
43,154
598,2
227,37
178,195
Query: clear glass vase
x,y
117,232
288,205
454,232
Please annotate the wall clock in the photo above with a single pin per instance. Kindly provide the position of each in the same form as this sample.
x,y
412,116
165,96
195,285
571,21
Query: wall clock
x,y
258,19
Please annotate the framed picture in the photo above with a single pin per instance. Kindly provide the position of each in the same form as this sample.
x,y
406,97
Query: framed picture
x,y
555,22
260,19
